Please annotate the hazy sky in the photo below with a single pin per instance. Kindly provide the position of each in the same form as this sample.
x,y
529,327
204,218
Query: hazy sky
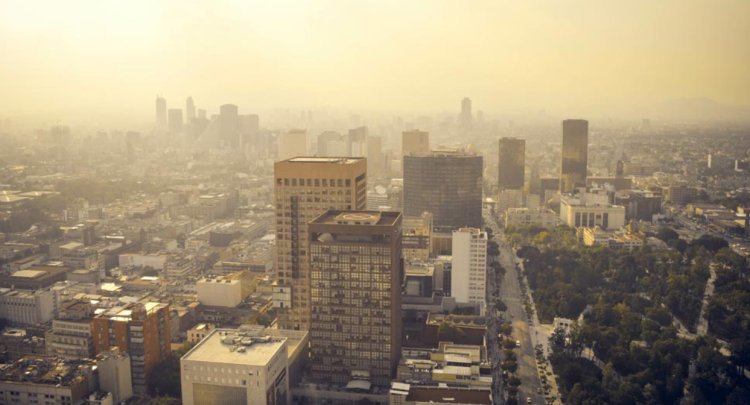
x,y
112,57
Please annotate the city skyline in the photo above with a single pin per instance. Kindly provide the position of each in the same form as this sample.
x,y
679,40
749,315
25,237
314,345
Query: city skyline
x,y
504,51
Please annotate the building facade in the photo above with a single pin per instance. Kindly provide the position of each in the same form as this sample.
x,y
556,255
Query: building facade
x,y
305,188
446,183
141,330
218,291
355,263
469,266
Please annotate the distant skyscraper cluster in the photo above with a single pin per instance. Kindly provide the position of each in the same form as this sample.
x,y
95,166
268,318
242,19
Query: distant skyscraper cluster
x,y
229,129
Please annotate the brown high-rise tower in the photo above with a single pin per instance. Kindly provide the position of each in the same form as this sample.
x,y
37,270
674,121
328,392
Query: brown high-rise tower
x,y
305,188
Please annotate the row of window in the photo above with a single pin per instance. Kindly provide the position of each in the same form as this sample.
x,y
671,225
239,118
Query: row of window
x,y
294,182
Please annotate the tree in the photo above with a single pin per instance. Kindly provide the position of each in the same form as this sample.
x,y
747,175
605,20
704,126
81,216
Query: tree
x,y
667,234
711,243
492,248
162,400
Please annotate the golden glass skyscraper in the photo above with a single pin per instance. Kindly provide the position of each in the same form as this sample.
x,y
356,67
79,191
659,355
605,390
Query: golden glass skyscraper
x,y
306,187
574,155
511,163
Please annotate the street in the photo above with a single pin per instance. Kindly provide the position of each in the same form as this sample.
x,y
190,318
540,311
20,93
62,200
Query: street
x,y
512,296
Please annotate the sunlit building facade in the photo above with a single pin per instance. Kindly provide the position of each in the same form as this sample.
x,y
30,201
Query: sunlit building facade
x,y
306,187
355,267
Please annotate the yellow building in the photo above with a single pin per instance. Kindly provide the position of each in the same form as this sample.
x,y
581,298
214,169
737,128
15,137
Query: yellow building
x,y
306,187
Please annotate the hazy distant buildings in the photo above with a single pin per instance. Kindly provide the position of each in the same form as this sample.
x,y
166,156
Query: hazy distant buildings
x,y
415,142
229,125
375,156
292,143
331,144
161,113
447,183
357,142
355,267
190,109
466,118
574,154
175,121
305,187
469,266
511,163
250,131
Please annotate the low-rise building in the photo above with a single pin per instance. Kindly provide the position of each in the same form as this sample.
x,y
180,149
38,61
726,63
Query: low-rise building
x,y
410,394
115,374
542,217
199,332
612,239
44,380
25,307
237,367
219,291
579,214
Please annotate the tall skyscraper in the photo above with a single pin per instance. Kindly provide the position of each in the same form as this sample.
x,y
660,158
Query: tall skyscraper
x,y
466,117
306,187
229,125
415,142
511,163
292,143
190,109
355,270
575,144
161,113
447,183
469,266
175,121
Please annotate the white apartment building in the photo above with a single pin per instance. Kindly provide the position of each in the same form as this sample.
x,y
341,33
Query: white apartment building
x,y
469,266
236,367
219,291
26,307
575,213
114,374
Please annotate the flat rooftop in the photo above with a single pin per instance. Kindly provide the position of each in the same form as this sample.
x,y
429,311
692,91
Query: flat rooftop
x,y
124,313
232,346
314,159
29,273
372,218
